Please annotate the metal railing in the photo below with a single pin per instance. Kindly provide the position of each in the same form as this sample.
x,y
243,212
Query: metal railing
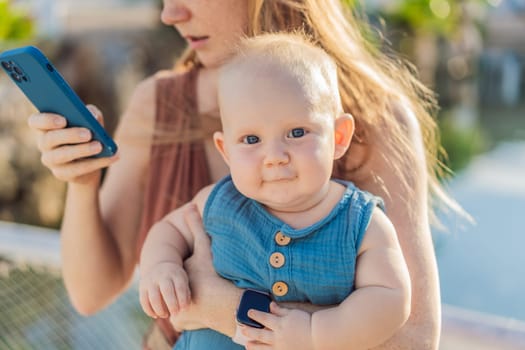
x,y
461,329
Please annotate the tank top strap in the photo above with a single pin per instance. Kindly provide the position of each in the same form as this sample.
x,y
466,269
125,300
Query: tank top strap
x,y
176,99
178,167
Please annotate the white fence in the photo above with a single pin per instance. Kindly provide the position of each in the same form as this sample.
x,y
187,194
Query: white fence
x,y
462,329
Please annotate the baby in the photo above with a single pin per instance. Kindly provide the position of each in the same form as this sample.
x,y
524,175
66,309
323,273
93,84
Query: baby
x,y
280,224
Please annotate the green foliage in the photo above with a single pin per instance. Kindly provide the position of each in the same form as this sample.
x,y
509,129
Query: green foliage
x,y
420,15
350,3
461,144
15,25
436,16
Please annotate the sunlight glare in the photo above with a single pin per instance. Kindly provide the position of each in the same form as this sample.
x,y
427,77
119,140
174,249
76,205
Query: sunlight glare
x,y
440,8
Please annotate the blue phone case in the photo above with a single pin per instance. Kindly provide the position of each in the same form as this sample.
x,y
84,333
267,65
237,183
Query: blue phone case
x,y
29,68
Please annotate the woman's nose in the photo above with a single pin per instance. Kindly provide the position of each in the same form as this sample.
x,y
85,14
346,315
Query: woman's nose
x,y
174,13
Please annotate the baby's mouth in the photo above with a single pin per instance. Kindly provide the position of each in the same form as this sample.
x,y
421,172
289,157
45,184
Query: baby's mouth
x,y
280,179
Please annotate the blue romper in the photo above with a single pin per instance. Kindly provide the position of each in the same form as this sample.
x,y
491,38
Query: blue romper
x,y
254,249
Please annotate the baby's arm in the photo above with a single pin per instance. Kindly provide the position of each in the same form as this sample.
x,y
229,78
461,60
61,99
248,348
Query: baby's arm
x,y
367,317
164,285
380,305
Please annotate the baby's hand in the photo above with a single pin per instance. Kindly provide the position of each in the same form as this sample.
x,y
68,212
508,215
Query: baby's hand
x,y
283,329
164,290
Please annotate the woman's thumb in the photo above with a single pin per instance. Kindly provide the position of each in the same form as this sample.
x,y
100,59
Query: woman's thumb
x,y
96,113
201,244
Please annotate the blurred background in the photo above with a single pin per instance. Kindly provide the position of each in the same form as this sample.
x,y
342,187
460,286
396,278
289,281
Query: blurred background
x,y
471,52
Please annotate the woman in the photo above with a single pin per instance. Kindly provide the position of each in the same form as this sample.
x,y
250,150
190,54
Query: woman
x,y
166,155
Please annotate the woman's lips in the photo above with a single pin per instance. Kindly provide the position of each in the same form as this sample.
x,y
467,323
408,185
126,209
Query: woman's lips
x,y
196,42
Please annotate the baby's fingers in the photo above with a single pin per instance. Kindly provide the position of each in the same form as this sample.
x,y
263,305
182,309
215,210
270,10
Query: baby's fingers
x,y
167,289
182,287
144,302
157,303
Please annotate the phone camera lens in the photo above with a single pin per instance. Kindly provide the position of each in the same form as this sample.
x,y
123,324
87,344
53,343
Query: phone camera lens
x,y
16,77
7,66
18,70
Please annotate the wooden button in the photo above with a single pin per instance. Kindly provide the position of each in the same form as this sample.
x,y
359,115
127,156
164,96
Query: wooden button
x,y
282,239
277,260
280,288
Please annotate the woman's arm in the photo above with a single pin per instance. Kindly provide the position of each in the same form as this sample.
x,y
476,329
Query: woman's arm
x,y
422,330
99,231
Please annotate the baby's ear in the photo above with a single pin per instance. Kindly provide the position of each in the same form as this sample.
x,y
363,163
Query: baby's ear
x,y
218,140
344,130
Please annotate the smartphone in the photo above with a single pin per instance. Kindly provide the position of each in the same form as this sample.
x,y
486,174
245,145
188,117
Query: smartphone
x,y
252,299
39,80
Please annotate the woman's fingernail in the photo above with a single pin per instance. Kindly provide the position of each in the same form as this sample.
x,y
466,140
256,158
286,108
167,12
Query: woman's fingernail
x,y
84,134
57,121
95,146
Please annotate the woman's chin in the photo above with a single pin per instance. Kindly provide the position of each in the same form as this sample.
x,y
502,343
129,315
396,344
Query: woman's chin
x,y
211,60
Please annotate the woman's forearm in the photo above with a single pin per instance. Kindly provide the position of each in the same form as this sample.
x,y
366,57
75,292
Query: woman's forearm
x,y
213,306
221,316
414,335
90,260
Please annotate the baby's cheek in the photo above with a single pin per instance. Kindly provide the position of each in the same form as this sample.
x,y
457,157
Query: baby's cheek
x,y
244,178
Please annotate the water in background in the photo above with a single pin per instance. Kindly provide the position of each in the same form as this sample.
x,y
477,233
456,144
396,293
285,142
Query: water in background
x,y
481,266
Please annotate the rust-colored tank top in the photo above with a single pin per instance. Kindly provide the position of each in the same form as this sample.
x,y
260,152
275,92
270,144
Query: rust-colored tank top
x,y
178,168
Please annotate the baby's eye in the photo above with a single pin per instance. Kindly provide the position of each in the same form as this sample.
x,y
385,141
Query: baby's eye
x,y
250,139
297,132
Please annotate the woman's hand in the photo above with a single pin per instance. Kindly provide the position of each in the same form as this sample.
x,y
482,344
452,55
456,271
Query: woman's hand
x,y
199,269
214,299
65,150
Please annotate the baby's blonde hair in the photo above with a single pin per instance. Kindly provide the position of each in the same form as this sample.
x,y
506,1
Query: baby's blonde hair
x,y
291,55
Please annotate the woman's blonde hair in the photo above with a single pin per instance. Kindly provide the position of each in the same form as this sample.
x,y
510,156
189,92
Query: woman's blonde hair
x,y
375,87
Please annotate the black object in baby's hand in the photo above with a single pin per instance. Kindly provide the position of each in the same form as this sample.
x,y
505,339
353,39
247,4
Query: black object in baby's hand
x,y
252,299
